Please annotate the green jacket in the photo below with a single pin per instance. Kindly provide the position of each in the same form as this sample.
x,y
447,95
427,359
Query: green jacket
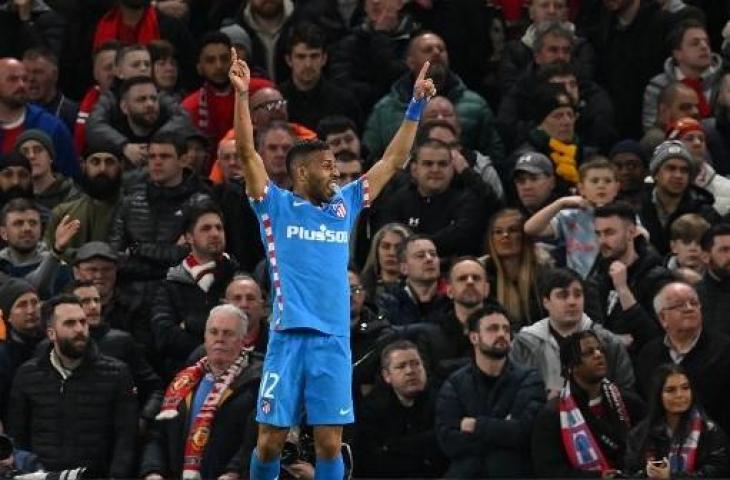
x,y
477,120
63,189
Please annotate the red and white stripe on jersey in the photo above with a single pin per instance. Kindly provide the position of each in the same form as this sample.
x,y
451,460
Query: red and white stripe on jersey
x,y
271,252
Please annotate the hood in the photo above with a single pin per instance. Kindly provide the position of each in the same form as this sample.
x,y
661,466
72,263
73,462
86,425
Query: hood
x,y
541,331
35,258
61,187
178,274
708,76
251,22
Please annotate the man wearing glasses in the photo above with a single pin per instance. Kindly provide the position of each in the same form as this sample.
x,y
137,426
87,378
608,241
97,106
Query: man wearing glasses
x,y
701,352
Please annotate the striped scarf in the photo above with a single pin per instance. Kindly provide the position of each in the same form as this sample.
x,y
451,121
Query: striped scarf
x,y
683,458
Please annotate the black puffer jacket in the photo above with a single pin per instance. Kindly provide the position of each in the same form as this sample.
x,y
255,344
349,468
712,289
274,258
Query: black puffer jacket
x,y
89,419
148,224
714,293
181,309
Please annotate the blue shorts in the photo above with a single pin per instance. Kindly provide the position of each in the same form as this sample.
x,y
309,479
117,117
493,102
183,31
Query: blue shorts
x,y
306,372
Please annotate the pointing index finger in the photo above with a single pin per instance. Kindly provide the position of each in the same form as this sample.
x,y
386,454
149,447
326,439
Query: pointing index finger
x,y
424,71
234,55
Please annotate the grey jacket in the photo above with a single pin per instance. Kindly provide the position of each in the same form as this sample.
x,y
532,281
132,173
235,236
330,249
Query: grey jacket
x,y
535,347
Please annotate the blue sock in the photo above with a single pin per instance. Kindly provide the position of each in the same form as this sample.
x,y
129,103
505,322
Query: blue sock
x,y
333,469
263,471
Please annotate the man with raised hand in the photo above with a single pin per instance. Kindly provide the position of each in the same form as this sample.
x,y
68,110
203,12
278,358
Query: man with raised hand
x,y
306,232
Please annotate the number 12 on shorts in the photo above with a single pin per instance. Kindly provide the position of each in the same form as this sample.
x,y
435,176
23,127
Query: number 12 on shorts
x,y
268,384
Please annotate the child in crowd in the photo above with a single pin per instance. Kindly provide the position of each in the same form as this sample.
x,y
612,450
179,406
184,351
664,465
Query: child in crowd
x,y
687,258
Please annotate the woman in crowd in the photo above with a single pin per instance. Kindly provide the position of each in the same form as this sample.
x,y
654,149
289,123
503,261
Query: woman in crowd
x,y
381,265
676,439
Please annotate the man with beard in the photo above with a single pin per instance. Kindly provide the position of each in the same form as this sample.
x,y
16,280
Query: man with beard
x,y
625,277
71,395
25,256
18,115
714,289
486,409
395,435
100,182
268,22
20,307
582,433
15,179
477,120
192,288
211,106
130,134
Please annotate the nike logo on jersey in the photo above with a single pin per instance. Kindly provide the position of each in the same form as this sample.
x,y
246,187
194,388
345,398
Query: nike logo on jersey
x,y
299,204
345,411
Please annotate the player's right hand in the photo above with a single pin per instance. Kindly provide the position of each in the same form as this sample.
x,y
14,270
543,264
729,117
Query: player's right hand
x,y
239,73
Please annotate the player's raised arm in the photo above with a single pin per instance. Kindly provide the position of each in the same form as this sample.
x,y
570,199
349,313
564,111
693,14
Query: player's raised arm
x,y
396,154
253,167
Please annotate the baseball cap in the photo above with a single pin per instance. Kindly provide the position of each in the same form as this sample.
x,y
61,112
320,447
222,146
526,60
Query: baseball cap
x,y
95,249
533,162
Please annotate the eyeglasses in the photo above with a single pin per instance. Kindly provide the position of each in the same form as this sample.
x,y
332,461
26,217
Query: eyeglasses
x,y
271,105
690,304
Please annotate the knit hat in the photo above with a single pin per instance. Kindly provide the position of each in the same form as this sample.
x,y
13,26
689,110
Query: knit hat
x,y
548,97
14,159
10,290
673,149
683,126
628,146
39,136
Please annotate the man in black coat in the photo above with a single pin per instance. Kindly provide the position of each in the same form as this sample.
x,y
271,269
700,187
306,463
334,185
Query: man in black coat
x,y
714,289
485,410
395,435
702,353
72,406
231,433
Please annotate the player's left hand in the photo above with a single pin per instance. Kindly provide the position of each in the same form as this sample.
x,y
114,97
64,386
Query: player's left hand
x,y
424,87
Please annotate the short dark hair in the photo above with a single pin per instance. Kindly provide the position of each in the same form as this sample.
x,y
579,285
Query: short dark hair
x,y
430,143
196,207
489,308
556,69
424,131
403,246
127,49
262,132
307,33
619,209
708,239
213,37
302,149
78,283
161,50
558,278
130,82
48,308
570,352
394,346
17,205
166,137
41,52
334,124
346,156
676,35
108,46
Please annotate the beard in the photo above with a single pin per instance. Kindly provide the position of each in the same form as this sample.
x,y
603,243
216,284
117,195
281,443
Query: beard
x,y
720,271
101,187
495,352
16,191
143,120
269,9
70,349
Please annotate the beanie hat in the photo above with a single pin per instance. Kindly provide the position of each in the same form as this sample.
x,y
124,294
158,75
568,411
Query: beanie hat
x,y
628,146
10,290
673,149
14,159
39,136
548,97
683,126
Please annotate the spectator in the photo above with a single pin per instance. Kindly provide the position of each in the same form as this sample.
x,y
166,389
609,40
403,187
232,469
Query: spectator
x,y
197,153
631,169
206,427
310,95
18,115
539,345
582,432
25,256
691,133
349,167
692,63
714,288
100,182
629,42
676,438
676,101
20,306
269,106
417,298
687,344
685,242
243,292
381,39
49,188
340,133
720,126
130,134
395,435
625,277
193,287
41,64
382,267
433,204
673,169
486,409
71,395
268,22
164,68
29,25
15,179
514,266
534,182
211,106
477,120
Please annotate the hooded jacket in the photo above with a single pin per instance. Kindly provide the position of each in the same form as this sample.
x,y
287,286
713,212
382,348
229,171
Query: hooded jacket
x,y
42,269
535,347
46,29
62,189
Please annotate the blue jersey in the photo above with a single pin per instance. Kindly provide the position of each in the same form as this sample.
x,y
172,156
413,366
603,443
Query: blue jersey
x,y
308,252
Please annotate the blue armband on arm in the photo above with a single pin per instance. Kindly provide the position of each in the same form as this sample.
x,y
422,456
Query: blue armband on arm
x,y
415,109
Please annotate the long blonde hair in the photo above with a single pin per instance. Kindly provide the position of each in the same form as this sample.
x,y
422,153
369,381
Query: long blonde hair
x,y
515,298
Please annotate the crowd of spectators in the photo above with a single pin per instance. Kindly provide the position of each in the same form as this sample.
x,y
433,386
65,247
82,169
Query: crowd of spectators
x,y
542,291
